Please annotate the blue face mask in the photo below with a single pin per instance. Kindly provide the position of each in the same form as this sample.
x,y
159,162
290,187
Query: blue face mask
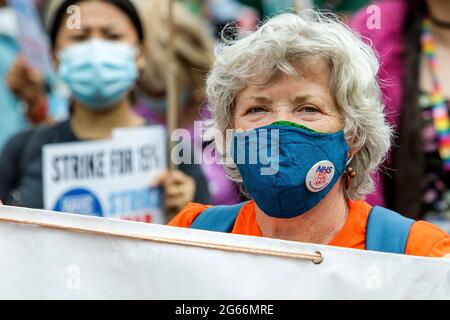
x,y
99,73
289,169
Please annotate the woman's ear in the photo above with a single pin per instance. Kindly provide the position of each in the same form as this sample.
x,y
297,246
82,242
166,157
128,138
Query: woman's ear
x,y
351,154
141,63
352,149
140,59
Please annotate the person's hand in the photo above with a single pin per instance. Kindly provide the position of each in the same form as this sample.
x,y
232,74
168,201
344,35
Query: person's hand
x,y
28,84
179,190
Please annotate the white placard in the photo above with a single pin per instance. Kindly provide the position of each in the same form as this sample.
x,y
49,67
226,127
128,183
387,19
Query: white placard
x,y
45,263
107,178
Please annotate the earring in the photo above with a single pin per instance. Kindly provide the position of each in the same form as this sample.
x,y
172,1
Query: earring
x,y
348,175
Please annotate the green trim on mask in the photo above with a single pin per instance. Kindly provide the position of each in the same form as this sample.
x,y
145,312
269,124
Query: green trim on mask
x,y
293,124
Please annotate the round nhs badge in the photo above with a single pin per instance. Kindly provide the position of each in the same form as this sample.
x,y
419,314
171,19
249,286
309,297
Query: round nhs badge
x,y
320,176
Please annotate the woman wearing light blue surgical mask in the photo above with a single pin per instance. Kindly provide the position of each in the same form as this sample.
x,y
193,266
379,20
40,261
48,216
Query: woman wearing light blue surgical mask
x,y
99,63
99,58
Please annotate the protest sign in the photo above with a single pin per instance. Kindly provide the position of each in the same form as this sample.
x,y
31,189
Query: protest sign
x,y
108,178
62,256
31,35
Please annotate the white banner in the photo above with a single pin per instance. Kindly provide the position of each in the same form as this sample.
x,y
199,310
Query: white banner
x,y
80,257
107,178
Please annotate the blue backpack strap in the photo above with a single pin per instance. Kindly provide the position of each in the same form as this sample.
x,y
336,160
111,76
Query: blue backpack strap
x,y
387,231
218,218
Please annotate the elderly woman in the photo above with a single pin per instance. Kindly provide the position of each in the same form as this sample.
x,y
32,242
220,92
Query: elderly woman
x,y
306,87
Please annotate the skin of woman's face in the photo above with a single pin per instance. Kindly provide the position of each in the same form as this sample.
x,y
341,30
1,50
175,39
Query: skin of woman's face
x,y
99,20
306,100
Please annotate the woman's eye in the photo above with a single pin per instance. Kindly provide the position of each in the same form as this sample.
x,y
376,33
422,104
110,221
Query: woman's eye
x,y
256,109
308,109
78,37
112,34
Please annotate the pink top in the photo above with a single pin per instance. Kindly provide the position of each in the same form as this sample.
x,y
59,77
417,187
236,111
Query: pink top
x,y
388,43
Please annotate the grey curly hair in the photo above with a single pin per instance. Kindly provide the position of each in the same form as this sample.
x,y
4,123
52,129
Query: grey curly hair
x,y
289,39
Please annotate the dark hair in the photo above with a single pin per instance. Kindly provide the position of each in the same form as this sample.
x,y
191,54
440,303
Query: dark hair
x,y
125,5
404,191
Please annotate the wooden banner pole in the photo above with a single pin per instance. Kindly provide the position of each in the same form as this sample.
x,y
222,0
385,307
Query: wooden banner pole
x,y
172,90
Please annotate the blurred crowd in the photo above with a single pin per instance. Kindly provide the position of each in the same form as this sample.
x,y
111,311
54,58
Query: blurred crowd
x,y
133,36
